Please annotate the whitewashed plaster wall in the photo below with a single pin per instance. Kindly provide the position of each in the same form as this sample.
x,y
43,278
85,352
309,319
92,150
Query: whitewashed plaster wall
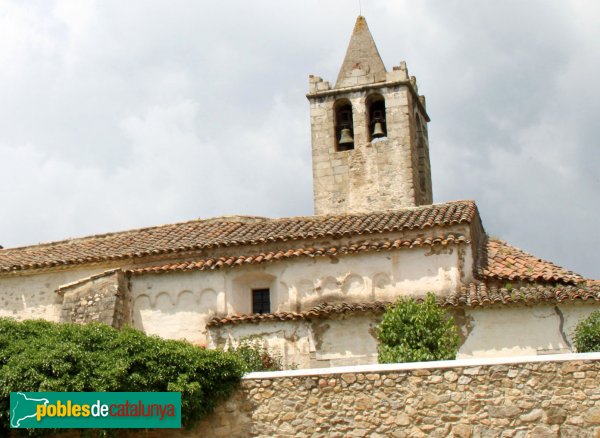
x,y
342,340
34,296
510,331
317,343
293,341
178,305
350,339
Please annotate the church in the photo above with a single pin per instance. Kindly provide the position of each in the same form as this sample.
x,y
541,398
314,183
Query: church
x,y
314,288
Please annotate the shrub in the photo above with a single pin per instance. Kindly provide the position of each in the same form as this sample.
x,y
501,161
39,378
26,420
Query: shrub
x,y
256,357
412,332
45,356
587,333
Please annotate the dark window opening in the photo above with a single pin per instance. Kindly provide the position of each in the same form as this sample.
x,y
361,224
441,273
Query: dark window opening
x,y
344,126
261,301
377,119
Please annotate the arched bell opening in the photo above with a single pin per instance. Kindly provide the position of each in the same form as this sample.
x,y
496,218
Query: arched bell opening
x,y
377,125
344,125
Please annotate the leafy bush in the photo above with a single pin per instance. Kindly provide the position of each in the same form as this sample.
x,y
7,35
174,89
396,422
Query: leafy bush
x,y
45,356
257,357
412,332
587,333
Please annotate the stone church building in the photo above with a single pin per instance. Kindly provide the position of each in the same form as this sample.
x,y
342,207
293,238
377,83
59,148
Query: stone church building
x,y
313,288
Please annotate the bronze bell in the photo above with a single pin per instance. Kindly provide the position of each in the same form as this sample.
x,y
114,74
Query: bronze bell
x,y
378,130
346,137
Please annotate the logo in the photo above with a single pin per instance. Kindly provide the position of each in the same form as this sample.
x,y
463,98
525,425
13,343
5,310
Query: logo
x,y
79,410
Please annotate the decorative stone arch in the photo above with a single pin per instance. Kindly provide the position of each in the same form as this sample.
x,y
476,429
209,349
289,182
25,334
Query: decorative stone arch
x,y
186,301
163,301
353,285
208,301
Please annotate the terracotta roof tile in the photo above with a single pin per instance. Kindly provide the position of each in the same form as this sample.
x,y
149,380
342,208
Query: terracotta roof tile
x,y
479,294
321,311
500,261
233,261
200,234
475,295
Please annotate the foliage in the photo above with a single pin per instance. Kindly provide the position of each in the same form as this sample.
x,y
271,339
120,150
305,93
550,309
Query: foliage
x,y
412,332
44,356
257,357
587,333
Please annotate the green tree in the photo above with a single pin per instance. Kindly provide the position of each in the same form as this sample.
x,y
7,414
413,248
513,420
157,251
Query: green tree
x,y
44,356
587,333
414,331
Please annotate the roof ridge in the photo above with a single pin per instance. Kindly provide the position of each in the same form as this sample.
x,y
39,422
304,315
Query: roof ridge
x,y
215,219
94,236
199,234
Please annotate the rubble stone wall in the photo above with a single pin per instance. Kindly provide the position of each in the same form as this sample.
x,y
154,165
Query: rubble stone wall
x,y
99,298
540,397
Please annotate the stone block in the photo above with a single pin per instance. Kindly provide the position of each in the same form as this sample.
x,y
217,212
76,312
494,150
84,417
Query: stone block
x,y
505,411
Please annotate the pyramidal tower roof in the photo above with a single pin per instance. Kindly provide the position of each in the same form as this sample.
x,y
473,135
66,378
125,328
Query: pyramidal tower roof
x,y
362,63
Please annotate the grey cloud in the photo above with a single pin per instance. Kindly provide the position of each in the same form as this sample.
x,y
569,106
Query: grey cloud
x,y
117,114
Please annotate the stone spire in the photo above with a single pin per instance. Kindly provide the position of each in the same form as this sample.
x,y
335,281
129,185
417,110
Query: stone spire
x,y
362,64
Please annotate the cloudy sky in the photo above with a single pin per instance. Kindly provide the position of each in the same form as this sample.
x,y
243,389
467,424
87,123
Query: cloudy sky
x,y
121,114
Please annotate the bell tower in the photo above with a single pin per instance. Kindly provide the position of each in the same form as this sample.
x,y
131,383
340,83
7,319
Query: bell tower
x,y
369,134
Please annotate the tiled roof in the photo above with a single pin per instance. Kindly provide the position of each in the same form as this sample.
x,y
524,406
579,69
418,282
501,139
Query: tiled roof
x,y
200,234
479,294
475,295
500,261
241,260
323,310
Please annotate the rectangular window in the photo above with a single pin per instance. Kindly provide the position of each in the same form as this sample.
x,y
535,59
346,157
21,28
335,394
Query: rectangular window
x,y
261,301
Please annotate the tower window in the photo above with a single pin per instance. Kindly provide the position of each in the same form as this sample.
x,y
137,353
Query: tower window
x,y
261,301
377,120
344,125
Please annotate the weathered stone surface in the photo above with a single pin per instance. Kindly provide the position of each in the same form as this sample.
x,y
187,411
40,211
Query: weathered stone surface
x,y
504,411
349,378
593,416
375,172
555,415
100,298
534,415
543,432
462,431
416,405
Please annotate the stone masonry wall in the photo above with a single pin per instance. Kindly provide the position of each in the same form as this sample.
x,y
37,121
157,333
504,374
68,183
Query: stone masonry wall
x,y
538,398
375,175
372,176
100,298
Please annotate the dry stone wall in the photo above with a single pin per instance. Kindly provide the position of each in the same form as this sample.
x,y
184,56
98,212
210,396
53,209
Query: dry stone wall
x,y
544,397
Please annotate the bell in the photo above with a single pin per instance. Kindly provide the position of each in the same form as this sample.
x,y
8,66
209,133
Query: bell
x,y
346,137
378,130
